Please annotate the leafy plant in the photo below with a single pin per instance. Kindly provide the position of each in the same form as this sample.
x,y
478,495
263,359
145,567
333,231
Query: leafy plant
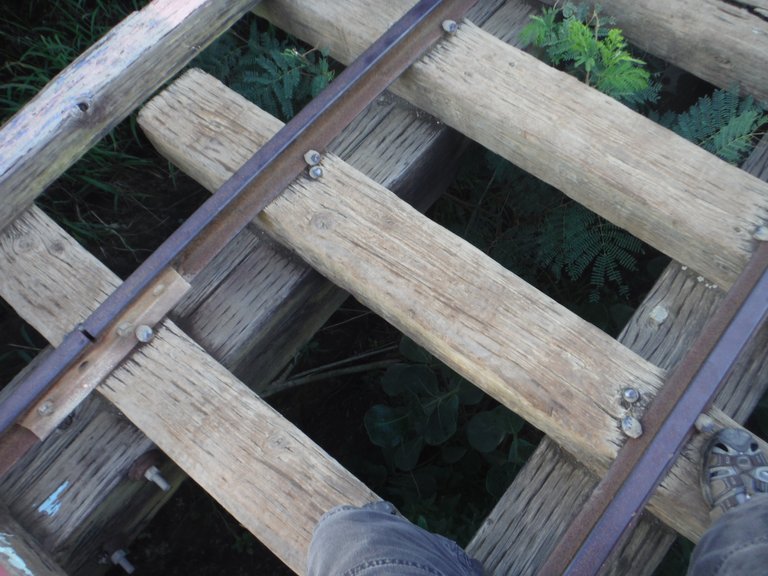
x,y
574,38
439,434
723,123
270,71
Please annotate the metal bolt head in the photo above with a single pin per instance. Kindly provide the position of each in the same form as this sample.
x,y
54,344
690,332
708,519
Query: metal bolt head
x,y
631,426
312,157
630,395
450,26
46,408
123,329
659,314
153,475
761,234
315,172
119,558
144,333
704,424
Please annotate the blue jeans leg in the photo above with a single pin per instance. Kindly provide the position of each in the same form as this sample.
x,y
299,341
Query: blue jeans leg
x,y
736,544
375,541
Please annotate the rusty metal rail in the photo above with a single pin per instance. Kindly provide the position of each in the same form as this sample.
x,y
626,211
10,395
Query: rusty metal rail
x,y
615,505
263,177
640,465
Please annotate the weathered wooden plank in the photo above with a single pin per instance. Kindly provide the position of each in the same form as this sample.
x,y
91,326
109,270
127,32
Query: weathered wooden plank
x,y
663,189
400,147
558,372
723,42
243,310
269,475
257,303
661,330
20,555
81,104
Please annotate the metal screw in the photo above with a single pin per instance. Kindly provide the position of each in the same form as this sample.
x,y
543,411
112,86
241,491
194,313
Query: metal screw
x,y
630,395
46,408
144,333
704,424
123,329
312,157
153,475
118,558
450,26
761,234
659,314
315,172
631,426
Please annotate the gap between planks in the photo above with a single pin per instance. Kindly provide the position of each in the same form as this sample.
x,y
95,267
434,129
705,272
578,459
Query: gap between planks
x,y
557,371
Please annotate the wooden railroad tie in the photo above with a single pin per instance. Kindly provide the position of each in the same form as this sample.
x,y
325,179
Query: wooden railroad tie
x,y
561,374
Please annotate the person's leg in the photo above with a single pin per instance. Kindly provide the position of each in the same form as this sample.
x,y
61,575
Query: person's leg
x,y
375,541
734,481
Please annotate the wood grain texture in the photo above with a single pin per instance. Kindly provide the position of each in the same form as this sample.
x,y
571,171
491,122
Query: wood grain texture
x,y
269,475
552,368
260,467
100,88
517,537
429,283
660,187
20,555
52,310
257,303
251,309
723,42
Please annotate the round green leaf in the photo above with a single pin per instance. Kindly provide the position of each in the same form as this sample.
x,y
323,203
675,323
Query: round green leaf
x,y
452,454
442,421
385,425
485,431
407,453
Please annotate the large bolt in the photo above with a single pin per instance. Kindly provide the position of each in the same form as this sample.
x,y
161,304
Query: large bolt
x,y
316,172
144,333
46,408
659,314
761,234
153,475
450,26
312,157
118,558
630,395
631,426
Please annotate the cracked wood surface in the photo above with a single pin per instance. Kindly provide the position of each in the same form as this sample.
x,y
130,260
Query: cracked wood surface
x,y
557,371
663,189
100,88
269,475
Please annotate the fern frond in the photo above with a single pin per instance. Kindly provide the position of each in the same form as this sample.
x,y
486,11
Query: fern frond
x,y
723,124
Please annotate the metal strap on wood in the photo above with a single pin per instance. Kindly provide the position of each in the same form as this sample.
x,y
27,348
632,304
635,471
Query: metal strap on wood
x,y
246,193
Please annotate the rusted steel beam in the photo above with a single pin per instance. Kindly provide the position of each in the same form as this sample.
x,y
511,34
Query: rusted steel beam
x,y
249,190
615,505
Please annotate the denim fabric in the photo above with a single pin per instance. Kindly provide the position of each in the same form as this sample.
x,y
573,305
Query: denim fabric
x,y
736,544
375,541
